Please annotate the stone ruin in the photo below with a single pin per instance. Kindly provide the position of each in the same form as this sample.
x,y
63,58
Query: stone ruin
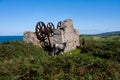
x,y
68,35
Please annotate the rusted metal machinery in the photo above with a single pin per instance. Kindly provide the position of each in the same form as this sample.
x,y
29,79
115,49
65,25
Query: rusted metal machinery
x,y
48,35
44,32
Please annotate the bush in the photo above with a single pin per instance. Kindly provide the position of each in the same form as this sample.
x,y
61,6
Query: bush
x,y
103,49
21,61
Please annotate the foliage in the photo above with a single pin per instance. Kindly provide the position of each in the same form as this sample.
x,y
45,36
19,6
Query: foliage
x,y
21,61
107,47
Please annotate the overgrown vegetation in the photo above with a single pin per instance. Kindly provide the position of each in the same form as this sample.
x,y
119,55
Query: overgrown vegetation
x,y
97,59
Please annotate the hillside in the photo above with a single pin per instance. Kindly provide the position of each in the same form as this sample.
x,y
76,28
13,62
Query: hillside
x,y
109,33
96,60
103,36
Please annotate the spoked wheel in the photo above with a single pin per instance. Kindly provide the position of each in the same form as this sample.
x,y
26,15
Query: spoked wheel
x,y
59,24
51,27
40,33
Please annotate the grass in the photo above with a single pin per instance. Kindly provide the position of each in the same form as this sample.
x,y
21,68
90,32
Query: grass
x,y
21,61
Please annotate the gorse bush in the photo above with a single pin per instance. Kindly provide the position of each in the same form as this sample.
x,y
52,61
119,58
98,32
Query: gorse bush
x,y
21,61
17,57
103,49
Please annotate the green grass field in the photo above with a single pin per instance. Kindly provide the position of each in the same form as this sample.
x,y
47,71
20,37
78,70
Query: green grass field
x,y
98,59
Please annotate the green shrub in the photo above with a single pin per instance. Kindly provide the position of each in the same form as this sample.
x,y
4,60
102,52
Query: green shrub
x,y
22,61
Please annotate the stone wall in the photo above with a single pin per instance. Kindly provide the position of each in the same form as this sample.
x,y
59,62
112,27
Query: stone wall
x,y
30,37
68,35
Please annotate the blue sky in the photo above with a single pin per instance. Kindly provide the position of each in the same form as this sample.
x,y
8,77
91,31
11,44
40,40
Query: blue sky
x,y
89,16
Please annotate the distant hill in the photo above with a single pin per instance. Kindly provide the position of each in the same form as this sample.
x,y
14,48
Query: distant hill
x,y
103,36
108,33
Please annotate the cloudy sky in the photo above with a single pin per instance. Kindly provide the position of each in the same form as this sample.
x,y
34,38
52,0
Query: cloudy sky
x,y
89,16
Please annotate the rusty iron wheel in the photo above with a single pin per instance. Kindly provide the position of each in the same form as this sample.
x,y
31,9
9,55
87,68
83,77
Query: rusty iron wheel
x,y
50,25
40,27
